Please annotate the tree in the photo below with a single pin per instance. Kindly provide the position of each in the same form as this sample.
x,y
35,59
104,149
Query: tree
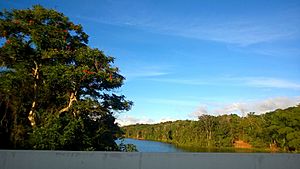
x,y
56,92
284,127
208,123
226,130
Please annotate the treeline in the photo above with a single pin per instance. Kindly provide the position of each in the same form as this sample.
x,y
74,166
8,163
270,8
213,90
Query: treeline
x,y
277,130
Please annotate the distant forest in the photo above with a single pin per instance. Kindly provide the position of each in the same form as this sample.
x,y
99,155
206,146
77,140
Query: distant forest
x,y
273,131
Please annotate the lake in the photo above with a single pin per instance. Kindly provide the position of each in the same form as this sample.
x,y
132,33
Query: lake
x,y
155,146
151,146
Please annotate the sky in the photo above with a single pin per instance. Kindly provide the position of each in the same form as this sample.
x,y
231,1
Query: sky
x,y
182,59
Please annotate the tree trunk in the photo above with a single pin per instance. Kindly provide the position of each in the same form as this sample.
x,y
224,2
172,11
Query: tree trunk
x,y
32,114
207,138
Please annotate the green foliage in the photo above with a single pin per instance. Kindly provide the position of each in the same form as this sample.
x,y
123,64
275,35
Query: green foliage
x,y
284,127
280,128
127,147
56,92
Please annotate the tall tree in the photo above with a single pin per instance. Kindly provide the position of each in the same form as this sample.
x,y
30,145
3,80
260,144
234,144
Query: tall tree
x,y
54,86
208,122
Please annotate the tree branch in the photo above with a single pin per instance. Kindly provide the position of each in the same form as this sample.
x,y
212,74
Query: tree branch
x,y
71,100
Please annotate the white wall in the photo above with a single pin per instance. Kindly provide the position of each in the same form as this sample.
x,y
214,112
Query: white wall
x,y
19,159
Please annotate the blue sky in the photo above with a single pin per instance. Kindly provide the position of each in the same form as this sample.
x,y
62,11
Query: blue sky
x,y
186,58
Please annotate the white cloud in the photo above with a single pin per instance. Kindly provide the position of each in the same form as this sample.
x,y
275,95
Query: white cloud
x,y
275,103
234,108
127,120
242,108
201,110
166,119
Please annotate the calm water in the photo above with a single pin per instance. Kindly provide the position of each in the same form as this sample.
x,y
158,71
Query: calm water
x,y
154,146
151,146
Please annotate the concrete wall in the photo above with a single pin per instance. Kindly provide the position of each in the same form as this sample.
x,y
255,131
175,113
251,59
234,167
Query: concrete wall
x,y
16,159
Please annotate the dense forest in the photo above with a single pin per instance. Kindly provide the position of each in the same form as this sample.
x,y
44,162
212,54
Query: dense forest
x,y
274,131
56,92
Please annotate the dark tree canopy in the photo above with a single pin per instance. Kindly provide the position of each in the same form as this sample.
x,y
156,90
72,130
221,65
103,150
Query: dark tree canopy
x,y
56,92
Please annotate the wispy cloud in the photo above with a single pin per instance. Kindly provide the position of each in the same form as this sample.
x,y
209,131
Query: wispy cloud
x,y
266,82
242,30
183,81
144,73
256,82
173,102
272,49
242,33
242,108
142,70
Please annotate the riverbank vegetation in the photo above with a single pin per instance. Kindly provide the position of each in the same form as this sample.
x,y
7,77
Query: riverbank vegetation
x,y
274,131
56,92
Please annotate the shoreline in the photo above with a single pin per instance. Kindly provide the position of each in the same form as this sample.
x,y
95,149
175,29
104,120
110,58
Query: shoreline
x,y
195,148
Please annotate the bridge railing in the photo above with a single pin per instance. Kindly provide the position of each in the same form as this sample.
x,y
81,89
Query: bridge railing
x,y
26,159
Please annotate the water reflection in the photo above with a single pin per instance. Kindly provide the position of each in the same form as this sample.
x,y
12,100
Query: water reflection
x,y
151,146
154,146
